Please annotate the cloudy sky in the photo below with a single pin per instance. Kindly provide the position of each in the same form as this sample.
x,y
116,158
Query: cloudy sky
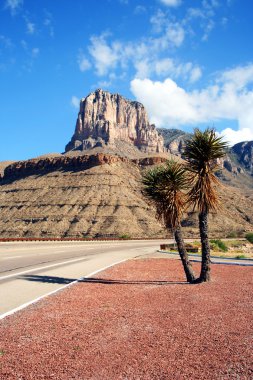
x,y
189,62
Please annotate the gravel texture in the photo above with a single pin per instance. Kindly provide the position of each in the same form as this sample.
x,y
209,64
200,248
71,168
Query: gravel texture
x,y
137,320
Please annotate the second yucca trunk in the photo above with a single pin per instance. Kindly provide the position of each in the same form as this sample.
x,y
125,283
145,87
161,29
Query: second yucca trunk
x,y
184,255
205,274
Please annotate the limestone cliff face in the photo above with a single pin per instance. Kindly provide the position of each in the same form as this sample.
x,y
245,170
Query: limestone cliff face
x,y
105,118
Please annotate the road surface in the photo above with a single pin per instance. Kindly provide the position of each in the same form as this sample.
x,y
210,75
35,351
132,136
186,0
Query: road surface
x,y
29,270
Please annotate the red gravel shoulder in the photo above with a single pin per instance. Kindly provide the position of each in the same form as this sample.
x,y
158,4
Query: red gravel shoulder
x,y
137,320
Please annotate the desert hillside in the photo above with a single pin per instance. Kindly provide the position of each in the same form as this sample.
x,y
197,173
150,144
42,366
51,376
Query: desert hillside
x,y
101,199
94,189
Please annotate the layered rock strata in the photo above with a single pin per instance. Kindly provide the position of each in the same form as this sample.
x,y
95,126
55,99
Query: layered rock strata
x,y
104,200
21,169
105,118
98,196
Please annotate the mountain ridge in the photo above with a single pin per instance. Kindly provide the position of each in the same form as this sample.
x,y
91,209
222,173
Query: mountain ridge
x,y
95,191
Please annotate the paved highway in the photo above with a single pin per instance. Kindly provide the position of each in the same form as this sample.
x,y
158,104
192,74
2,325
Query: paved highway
x,y
29,270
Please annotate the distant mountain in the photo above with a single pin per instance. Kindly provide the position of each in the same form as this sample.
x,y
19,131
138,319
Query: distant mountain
x,y
94,188
238,161
174,139
244,153
105,119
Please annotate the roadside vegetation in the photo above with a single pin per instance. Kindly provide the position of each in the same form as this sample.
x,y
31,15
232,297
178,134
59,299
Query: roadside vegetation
x,y
125,236
235,249
196,187
219,245
249,237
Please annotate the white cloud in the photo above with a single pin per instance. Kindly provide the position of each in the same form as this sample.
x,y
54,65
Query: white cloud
x,y
104,55
143,69
205,14
171,3
233,137
152,54
224,21
50,28
166,103
6,41
207,30
164,66
13,5
104,84
158,21
24,44
83,62
174,69
172,106
140,9
143,55
175,34
239,76
75,102
30,27
195,74
35,52
48,22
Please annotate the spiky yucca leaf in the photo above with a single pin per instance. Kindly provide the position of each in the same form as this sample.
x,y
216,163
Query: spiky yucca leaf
x,y
201,153
204,147
165,186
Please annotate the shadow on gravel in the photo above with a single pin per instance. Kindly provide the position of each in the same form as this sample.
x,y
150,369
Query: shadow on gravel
x,y
92,280
130,282
47,279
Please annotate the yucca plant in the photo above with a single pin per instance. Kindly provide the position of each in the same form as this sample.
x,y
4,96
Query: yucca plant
x,y
202,152
165,187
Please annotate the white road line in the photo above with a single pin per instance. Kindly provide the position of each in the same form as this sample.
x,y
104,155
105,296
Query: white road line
x,y
10,257
40,268
79,246
8,313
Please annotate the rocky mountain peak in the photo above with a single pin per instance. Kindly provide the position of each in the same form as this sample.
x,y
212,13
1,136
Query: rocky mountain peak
x,y
106,118
244,152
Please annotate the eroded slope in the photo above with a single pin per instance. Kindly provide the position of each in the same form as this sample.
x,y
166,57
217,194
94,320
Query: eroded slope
x,y
104,200
100,196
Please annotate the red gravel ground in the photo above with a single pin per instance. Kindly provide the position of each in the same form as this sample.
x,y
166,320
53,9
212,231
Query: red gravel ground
x,y
138,320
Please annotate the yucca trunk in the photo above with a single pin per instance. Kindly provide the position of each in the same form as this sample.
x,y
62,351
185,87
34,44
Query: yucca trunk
x,y
205,274
184,255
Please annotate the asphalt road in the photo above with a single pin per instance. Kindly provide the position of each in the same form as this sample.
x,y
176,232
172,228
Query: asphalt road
x,y
29,270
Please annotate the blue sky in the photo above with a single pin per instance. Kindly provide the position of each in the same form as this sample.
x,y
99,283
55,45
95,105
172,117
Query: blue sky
x,y
189,62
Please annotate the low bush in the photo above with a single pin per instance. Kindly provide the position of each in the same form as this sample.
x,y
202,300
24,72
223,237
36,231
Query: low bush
x,y
217,243
124,236
232,235
240,257
249,237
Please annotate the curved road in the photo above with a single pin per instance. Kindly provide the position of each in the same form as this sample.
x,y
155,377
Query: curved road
x,y
29,270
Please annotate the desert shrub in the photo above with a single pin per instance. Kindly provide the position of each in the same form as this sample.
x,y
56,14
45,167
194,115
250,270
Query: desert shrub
x,y
249,237
232,235
219,244
240,257
240,233
125,236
